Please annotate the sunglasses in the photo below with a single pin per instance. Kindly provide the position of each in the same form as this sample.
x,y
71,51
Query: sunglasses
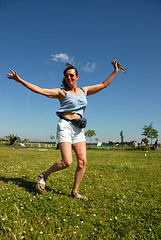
x,y
67,75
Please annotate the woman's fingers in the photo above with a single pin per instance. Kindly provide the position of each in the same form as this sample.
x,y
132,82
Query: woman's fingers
x,y
13,75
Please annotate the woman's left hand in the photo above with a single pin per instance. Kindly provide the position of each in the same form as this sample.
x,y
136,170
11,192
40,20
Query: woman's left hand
x,y
116,68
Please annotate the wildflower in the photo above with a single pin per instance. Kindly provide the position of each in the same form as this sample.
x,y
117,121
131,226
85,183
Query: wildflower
x,y
41,232
22,237
77,215
74,232
31,229
64,220
76,226
3,219
94,215
116,218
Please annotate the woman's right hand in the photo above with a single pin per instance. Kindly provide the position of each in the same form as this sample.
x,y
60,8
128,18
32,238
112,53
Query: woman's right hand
x,y
14,76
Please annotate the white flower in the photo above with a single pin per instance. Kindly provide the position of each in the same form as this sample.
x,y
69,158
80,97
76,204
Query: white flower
x,y
41,232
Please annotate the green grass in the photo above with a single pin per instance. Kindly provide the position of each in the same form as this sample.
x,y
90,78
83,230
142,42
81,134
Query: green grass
x,y
123,188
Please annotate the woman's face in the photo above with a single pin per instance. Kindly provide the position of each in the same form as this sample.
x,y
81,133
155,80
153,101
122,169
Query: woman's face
x,y
71,78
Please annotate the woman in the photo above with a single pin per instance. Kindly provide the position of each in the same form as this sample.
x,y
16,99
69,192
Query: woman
x,y
73,103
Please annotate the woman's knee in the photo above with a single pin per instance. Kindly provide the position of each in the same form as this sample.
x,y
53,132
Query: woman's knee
x,y
66,163
82,163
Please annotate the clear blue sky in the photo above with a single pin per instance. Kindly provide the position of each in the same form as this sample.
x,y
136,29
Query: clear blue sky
x,y
39,37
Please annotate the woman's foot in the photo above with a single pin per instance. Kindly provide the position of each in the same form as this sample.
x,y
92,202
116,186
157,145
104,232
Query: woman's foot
x,y
41,182
78,196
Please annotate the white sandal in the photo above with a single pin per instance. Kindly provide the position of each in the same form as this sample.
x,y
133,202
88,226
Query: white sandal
x,y
41,182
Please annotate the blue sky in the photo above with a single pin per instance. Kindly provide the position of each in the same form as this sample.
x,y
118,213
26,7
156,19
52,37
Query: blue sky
x,y
39,37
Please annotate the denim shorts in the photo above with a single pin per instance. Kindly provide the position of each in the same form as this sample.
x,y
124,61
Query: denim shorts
x,y
67,132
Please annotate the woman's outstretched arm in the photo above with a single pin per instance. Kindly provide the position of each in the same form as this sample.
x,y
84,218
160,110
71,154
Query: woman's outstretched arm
x,y
98,87
51,93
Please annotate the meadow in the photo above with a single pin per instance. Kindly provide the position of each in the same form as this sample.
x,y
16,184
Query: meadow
x,y
123,188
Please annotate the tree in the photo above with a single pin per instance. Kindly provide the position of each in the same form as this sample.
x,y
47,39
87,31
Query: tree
x,y
146,141
52,138
90,134
122,138
11,138
150,132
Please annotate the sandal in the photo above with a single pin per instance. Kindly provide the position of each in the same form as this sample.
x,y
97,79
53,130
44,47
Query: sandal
x,y
78,196
41,182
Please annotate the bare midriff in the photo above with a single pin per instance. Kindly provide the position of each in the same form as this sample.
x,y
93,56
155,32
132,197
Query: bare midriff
x,y
71,115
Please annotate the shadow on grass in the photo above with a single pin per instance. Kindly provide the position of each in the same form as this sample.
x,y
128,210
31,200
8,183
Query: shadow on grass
x,y
29,186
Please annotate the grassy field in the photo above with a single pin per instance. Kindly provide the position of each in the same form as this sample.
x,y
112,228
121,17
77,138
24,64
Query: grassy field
x,y
123,188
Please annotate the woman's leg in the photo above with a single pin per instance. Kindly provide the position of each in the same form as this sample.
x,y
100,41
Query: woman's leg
x,y
66,153
80,151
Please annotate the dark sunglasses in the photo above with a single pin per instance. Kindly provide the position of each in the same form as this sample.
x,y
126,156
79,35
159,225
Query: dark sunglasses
x,y
67,75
